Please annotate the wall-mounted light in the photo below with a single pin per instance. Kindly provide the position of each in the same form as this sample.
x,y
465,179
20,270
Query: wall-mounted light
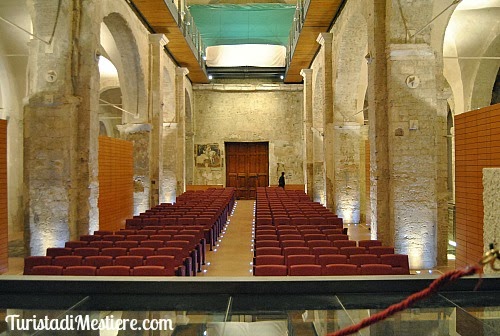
x,y
210,77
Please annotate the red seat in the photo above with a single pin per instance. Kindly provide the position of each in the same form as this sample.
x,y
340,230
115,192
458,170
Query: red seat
x,y
295,250
80,270
149,271
141,251
324,250
113,251
352,250
166,261
113,271
86,251
98,261
267,251
147,232
304,270
282,232
32,261
300,259
102,233
265,232
130,261
266,237
376,269
128,244
125,232
267,243
368,243
90,238
270,270
327,259
161,237
66,261
334,237
136,237
58,251
361,259
101,244
270,260
292,243
317,236
291,237
344,243
318,243
113,238
379,250
332,231
153,243
47,270
399,262
340,269
76,243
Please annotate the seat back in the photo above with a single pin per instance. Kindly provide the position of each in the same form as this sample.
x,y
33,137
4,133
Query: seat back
x,y
304,270
270,260
327,259
348,251
340,269
130,261
361,259
368,243
268,251
80,270
149,271
300,259
113,251
344,243
379,250
98,261
376,269
113,271
270,270
66,261
47,270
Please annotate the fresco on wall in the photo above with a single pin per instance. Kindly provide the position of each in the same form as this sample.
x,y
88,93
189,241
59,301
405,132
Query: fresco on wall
x,y
208,155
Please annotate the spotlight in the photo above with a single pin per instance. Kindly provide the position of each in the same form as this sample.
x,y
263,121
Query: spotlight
x,y
210,77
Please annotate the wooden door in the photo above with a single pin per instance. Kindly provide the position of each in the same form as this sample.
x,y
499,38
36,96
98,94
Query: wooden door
x,y
247,167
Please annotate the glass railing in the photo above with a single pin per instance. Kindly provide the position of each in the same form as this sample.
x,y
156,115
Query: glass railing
x,y
243,307
186,23
298,22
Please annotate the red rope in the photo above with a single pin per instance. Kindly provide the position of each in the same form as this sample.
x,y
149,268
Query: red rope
x,y
397,307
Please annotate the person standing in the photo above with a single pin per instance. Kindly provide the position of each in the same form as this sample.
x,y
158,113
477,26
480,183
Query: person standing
x,y
281,181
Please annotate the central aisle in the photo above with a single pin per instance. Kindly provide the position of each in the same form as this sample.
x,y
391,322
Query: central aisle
x,y
233,256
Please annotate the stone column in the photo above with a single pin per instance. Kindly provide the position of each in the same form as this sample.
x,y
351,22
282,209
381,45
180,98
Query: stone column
x,y
413,138
157,42
60,127
308,133
347,171
378,123
180,97
326,39
140,135
491,195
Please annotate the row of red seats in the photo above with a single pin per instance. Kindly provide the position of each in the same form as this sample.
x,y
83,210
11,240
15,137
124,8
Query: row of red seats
x,y
347,251
397,262
102,271
171,265
185,244
328,270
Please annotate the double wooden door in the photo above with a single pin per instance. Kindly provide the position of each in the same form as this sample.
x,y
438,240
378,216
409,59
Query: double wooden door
x,y
247,167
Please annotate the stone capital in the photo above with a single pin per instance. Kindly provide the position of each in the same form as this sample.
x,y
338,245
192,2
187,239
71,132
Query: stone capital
x,y
160,39
306,73
180,71
324,38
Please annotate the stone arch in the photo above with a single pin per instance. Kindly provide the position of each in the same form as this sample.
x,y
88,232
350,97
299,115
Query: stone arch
x,y
109,115
351,68
128,65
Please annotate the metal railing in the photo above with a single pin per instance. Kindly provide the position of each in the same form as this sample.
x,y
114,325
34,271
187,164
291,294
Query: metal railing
x,y
298,22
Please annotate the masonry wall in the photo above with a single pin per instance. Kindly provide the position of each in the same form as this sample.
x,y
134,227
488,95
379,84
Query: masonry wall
x,y
4,241
251,113
477,146
116,186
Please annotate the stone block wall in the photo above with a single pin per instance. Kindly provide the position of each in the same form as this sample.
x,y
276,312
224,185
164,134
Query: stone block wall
x,y
4,241
477,146
250,113
491,200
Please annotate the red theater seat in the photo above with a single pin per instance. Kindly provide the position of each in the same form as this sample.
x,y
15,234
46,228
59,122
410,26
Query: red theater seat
x,y
58,251
130,261
270,270
80,270
300,259
304,270
327,259
113,252
340,269
348,251
361,259
344,243
376,269
270,260
66,261
369,243
98,261
32,261
399,262
113,271
379,250
149,271
47,270
86,251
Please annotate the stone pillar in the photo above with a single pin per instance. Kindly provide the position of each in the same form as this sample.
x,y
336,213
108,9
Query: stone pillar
x,y
140,135
61,127
413,124
491,195
378,123
326,39
308,133
157,43
347,171
180,97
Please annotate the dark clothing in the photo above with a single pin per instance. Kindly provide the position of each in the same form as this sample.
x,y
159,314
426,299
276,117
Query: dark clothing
x,y
281,181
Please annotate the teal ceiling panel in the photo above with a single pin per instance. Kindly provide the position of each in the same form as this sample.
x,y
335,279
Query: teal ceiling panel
x,y
243,24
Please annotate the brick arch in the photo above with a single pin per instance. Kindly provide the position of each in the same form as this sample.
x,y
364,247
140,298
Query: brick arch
x,y
352,72
130,72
